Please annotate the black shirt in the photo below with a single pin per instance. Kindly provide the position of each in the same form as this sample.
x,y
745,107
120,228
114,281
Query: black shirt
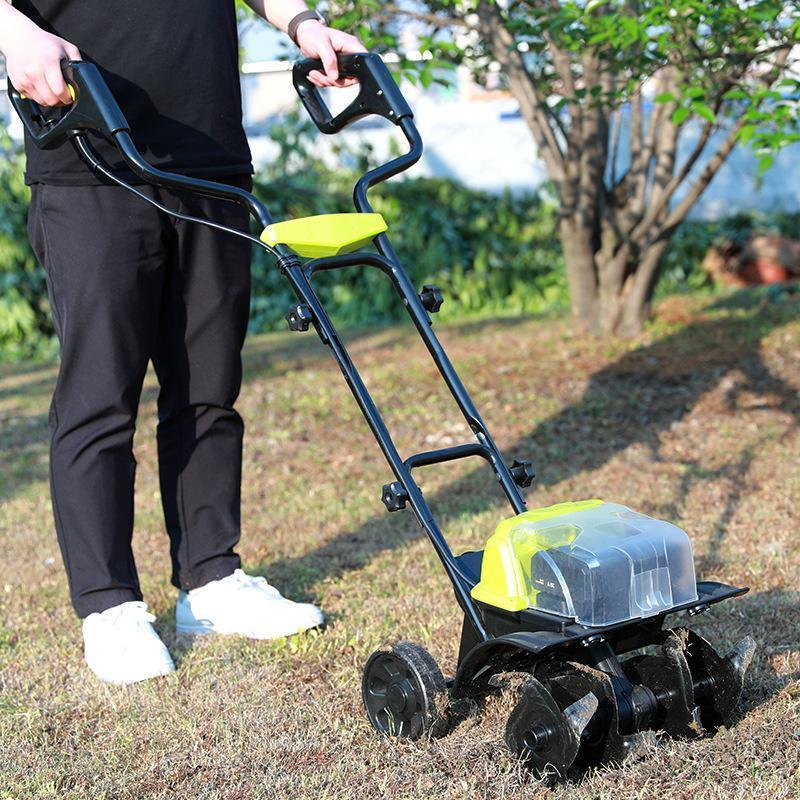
x,y
172,65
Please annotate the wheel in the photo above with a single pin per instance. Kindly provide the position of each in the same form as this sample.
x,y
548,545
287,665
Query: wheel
x,y
404,692
545,736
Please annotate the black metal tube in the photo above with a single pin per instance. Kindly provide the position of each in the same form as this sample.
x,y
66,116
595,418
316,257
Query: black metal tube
x,y
385,171
422,322
300,281
420,316
305,292
85,150
449,454
171,180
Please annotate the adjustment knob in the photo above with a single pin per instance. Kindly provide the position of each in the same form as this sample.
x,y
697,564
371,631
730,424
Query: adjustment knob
x,y
522,473
432,298
299,317
394,496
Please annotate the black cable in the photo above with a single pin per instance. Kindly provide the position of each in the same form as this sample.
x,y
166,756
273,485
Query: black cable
x,y
86,152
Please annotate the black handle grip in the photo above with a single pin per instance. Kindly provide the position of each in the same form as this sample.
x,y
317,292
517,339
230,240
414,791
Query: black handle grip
x,y
379,94
94,108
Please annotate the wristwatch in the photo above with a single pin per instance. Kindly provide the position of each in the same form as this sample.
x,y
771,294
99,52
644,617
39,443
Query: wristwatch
x,y
302,17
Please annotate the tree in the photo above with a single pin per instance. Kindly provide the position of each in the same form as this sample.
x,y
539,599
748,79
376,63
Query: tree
x,y
610,90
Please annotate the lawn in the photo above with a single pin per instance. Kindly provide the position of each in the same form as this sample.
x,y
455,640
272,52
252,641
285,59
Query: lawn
x,y
696,422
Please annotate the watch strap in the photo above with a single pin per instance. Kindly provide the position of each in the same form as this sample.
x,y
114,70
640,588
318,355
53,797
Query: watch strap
x,y
295,21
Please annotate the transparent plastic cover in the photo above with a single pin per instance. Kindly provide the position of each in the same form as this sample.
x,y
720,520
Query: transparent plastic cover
x,y
618,565
599,563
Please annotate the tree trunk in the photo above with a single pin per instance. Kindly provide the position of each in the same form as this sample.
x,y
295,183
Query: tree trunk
x,y
637,302
611,287
577,241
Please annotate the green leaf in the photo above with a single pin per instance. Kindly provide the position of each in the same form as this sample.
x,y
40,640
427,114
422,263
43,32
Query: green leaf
x,y
706,112
694,92
747,133
679,115
665,97
736,94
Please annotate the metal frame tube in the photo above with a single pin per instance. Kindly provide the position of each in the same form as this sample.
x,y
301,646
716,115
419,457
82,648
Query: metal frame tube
x,y
422,322
388,262
301,284
448,454
172,180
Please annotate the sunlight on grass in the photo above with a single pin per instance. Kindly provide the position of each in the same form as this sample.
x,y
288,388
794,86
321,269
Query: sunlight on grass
x,y
697,422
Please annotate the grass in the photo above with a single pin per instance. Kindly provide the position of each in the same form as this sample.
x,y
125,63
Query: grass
x,y
697,421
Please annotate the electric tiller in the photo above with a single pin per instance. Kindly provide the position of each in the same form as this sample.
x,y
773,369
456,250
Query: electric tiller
x,y
561,593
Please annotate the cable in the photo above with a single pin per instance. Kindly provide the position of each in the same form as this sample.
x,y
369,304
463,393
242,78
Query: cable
x,y
88,154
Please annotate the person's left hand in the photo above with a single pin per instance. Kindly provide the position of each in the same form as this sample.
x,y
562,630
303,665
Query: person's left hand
x,y
316,40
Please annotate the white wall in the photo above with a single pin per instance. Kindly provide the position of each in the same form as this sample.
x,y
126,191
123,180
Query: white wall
x,y
480,139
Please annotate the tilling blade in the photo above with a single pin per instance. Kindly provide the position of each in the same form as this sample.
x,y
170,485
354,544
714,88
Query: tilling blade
x,y
581,712
538,731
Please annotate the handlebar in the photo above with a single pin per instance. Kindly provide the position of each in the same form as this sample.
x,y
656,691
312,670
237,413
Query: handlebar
x,y
379,94
94,108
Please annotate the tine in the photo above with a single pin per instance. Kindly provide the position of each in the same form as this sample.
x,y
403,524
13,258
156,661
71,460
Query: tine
x,y
580,712
742,654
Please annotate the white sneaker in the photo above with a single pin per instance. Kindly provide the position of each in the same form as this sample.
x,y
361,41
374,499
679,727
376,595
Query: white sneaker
x,y
121,645
245,605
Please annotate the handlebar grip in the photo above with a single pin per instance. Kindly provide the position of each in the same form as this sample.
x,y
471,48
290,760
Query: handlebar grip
x,y
379,94
94,108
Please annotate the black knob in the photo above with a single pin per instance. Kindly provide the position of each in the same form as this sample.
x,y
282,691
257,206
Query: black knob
x,y
432,298
522,473
299,317
394,496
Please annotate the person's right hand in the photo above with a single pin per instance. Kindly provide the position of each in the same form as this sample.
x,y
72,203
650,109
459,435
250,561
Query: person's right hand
x,y
33,63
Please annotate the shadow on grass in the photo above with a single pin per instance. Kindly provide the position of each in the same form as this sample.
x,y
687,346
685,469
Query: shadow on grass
x,y
632,400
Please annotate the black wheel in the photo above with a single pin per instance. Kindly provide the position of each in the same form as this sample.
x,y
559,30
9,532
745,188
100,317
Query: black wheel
x,y
404,692
545,736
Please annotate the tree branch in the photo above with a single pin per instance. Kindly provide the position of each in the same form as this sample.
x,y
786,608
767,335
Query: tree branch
x,y
660,118
681,210
616,123
390,11
563,67
532,102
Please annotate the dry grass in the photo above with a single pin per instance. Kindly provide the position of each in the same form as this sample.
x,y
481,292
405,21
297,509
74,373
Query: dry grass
x,y
697,421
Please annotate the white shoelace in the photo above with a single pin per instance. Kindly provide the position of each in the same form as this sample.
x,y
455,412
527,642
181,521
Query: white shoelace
x,y
134,611
241,580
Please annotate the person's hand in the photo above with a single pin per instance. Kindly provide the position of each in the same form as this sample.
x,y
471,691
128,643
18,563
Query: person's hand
x,y
316,40
33,62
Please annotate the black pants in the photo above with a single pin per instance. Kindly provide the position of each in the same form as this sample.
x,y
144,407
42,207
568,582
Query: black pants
x,y
128,284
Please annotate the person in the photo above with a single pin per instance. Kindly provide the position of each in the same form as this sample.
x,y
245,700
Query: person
x,y
127,285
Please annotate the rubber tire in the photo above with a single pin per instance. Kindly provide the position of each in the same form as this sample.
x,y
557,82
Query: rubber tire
x,y
421,676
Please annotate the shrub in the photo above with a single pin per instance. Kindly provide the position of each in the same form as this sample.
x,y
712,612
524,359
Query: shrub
x,y
490,254
25,326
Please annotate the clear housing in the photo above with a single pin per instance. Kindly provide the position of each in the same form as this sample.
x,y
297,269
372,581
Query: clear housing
x,y
618,565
